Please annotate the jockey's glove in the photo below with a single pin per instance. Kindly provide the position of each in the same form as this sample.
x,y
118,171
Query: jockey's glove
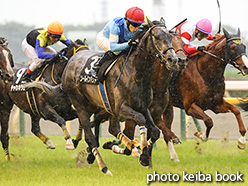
x,y
201,48
132,42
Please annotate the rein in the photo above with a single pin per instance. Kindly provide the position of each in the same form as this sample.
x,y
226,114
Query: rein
x,y
76,50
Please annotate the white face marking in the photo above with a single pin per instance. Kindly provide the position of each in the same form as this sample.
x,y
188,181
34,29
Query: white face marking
x,y
245,60
9,68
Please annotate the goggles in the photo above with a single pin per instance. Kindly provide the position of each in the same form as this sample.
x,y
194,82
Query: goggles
x,y
135,24
55,36
201,34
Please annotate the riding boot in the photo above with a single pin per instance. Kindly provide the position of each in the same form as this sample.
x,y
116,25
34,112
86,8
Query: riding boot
x,y
106,56
109,55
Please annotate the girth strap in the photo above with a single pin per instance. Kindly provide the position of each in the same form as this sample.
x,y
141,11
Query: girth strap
x,y
32,102
104,97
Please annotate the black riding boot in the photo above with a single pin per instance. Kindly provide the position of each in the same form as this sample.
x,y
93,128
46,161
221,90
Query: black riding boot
x,y
106,56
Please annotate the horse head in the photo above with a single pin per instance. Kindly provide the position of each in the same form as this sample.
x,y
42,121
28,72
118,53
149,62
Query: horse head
x,y
6,60
235,53
177,43
160,44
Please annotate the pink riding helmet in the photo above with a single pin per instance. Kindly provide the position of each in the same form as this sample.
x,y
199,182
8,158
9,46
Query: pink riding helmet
x,y
204,25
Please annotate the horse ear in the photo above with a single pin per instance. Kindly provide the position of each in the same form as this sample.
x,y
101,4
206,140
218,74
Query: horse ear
x,y
238,33
149,22
227,35
162,20
85,42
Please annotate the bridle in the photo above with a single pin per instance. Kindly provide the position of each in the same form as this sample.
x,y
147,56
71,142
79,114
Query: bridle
x,y
158,54
227,58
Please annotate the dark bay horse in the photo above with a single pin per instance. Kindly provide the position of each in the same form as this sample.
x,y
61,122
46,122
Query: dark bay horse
x,y
200,86
6,104
40,105
160,81
130,99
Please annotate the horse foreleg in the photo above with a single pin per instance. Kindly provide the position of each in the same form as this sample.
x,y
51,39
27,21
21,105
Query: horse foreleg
x,y
196,112
90,139
4,133
154,133
36,131
227,107
78,137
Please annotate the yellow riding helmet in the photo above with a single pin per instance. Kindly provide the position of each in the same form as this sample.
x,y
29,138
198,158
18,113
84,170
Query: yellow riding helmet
x,y
55,28
145,19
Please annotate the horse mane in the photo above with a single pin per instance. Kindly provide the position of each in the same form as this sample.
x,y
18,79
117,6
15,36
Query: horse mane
x,y
215,42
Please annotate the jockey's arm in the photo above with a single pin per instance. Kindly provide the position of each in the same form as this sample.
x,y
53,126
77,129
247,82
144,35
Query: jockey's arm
x,y
114,45
65,41
188,47
40,51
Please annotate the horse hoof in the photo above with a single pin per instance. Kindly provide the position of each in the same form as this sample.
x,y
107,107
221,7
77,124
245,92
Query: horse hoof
x,y
69,145
144,158
176,141
7,157
75,143
241,143
175,159
109,145
106,171
201,136
135,152
127,152
50,144
90,158
109,173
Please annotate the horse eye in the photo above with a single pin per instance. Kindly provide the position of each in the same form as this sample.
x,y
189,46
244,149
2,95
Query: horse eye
x,y
233,47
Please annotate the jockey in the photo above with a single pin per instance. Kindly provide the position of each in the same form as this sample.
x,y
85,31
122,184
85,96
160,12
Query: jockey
x,y
36,45
116,35
189,32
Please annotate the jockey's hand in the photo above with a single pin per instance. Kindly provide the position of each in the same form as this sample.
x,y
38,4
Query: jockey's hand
x,y
201,48
133,42
57,56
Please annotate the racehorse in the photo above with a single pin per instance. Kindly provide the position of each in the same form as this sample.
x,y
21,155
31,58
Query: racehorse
x,y
39,105
200,86
6,104
160,80
129,99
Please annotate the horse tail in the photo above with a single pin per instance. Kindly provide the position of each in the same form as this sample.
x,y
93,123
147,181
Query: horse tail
x,y
243,105
48,89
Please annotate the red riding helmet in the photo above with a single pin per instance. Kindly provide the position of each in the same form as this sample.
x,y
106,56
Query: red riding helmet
x,y
135,15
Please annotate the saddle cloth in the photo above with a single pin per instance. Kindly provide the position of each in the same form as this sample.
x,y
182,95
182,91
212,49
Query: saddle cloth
x,y
18,81
93,74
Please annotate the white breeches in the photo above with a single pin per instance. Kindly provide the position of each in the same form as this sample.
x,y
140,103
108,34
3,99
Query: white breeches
x,y
30,52
102,41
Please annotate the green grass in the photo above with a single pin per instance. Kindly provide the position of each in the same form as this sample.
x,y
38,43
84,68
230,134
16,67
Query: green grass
x,y
32,164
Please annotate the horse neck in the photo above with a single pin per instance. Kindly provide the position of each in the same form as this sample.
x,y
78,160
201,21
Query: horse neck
x,y
142,63
212,68
161,76
54,71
